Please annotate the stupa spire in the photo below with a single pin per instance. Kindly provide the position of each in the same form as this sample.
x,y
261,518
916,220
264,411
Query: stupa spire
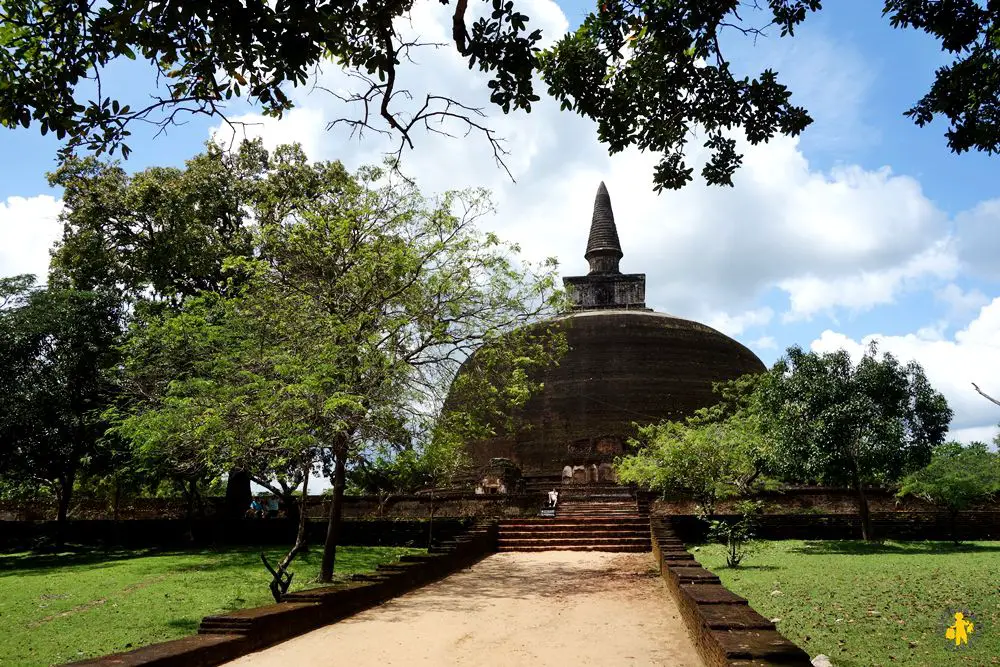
x,y
604,251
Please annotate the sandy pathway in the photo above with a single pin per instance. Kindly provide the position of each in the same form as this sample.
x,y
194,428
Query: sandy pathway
x,y
550,608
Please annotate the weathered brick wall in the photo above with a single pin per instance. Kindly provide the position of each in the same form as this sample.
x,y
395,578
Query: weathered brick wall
x,y
885,525
355,507
809,500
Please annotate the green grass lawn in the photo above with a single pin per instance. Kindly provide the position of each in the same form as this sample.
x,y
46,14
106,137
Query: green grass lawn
x,y
873,604
55,608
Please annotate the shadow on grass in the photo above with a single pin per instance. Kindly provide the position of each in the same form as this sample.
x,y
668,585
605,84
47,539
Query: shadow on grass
x,y
188,626
860,548
20,564
28,564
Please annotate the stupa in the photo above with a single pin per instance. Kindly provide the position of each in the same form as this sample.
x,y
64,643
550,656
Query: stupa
x,y
626,364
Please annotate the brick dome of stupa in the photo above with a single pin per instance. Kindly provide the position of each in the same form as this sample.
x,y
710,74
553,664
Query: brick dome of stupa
x,y
626,364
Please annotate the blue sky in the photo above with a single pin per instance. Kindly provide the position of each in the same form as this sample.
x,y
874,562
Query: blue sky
x,y
866,226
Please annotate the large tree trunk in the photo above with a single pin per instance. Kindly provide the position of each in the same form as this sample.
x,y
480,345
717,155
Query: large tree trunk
x,y
863,512
430,524
238,493
65,496
188,488
333,522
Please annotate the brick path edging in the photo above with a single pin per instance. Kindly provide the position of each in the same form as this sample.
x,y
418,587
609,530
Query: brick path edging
x,y
726,629
226,637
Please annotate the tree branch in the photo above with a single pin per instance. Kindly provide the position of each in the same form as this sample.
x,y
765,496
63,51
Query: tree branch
x,y
984,394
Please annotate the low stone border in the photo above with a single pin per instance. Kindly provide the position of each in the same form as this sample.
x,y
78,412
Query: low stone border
x,y
228,636
727,631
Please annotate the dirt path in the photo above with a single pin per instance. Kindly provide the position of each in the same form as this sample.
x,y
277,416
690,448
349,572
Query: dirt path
x,y
550,608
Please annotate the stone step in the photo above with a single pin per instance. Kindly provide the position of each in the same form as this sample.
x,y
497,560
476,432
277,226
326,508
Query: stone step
x,y
597,508
613,515
508,534
622,502
577,521
595,542
597,499
619,502
599,515
616,549
630,521
595,537
588,513
594,528
224,623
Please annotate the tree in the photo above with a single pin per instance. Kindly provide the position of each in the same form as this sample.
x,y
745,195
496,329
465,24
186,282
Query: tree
x,y
55,349
648,73
161,236
387,474
956,479
738,534
343,329
709,457
837,423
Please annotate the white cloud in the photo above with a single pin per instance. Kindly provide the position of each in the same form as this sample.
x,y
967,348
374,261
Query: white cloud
x,y
302,125
866,289
28,228
961,302
974,434
979,243
734,325
828,74
952,365
764,343
850,238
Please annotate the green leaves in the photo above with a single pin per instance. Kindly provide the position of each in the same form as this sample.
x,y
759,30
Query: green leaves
x,y
957,478
709,457
840,423
337,330
651,74
56,349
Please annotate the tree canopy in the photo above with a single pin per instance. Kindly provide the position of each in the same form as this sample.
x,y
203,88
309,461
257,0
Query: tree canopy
x,y
839,423
811,418
957,478
650,73
56,349
339,334
710,457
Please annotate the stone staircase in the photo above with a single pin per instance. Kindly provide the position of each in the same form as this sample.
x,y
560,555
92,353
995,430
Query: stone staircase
x,y
606,519
604,508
